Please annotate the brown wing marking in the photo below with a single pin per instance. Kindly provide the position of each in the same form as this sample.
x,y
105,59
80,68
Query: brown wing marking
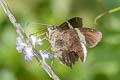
x,y
69,58
92,36
75,22
81,51
73,49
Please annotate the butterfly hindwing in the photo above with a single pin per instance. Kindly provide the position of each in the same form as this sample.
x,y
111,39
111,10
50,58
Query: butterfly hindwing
x,y
69,58
92,36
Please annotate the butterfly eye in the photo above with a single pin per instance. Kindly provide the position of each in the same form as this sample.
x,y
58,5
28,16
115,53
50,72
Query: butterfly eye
x,y
52,27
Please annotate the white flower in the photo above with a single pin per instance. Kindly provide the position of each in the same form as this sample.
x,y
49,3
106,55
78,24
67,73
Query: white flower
x,y
28,53
44,54
38,42
35,40
20,45
28,48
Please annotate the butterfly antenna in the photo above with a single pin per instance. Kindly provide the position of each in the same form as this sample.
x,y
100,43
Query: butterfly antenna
x,y
39,30
37,33
33,23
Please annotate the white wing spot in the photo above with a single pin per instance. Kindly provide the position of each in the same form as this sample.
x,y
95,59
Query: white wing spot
x,y
69,25
84,51
81,36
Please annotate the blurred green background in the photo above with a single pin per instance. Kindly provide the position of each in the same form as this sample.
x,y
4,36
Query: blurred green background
x,y
103,61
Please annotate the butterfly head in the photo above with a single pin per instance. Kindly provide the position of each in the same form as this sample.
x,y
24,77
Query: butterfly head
x,y
52,28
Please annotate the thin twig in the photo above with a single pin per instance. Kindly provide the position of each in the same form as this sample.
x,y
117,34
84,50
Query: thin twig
x,y
22,34
105,13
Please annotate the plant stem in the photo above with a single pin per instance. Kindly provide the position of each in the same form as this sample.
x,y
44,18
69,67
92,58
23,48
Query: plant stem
x,y
22,34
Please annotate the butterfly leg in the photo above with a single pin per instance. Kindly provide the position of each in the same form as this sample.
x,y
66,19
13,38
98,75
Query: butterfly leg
x,y
47,36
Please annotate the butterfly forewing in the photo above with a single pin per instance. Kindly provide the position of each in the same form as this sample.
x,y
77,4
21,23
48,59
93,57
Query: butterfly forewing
x,y
92,36
75,22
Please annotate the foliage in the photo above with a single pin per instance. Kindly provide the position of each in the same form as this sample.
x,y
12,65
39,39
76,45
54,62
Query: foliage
x,y
102,61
